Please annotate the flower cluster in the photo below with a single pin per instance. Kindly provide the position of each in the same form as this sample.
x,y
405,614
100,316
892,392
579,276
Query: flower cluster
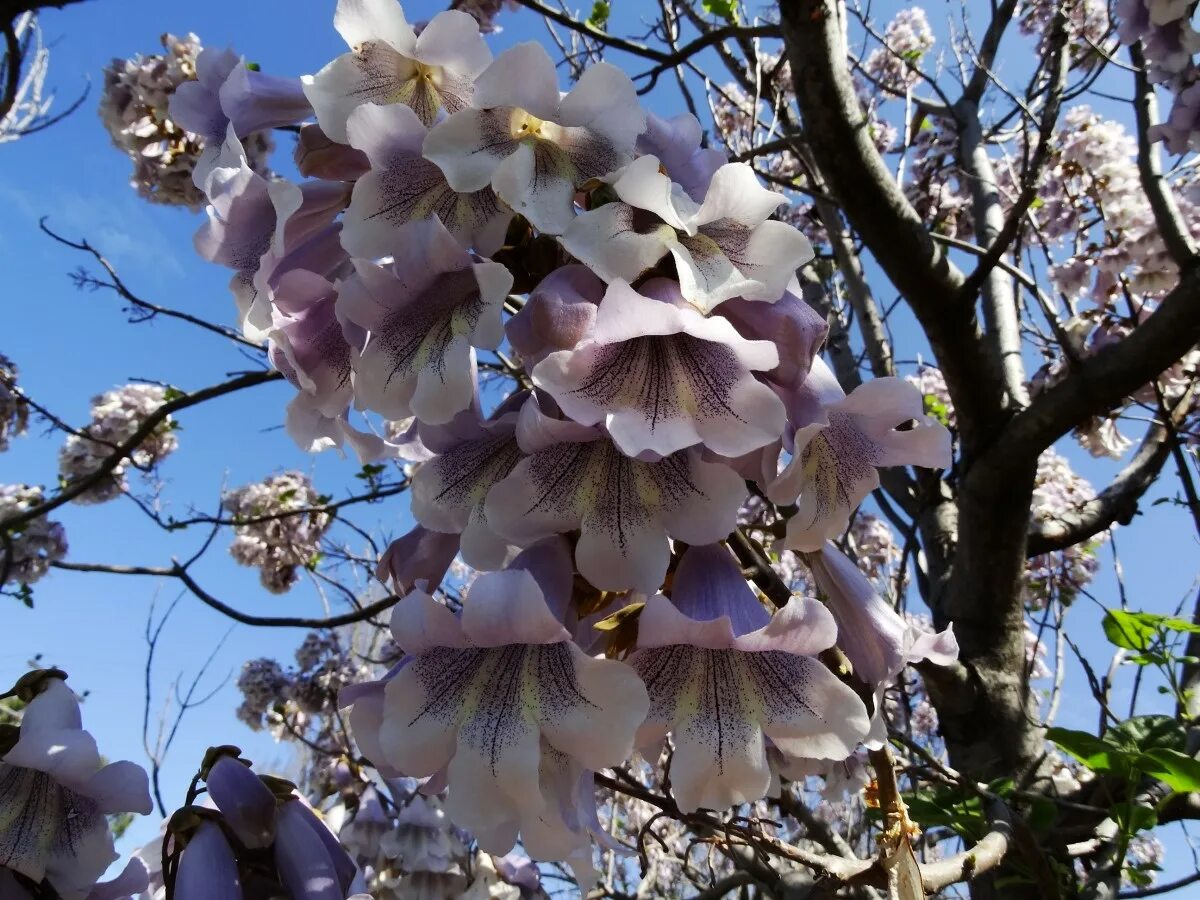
x,y
668,358
894,66
117,417
27,552
55,794
134,110
1170,42
14,411
278,527
1091,177
406,846
1057,494
1087,22
932,385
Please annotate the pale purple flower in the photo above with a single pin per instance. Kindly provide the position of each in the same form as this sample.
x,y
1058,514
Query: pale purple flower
x,y
229,96
625,508
389,63
449,491
421,557
483,693
58,793
207,868
835,462
311,863
725,246
676,144
402,187
534,147
308,342
317,156
425,312
247,805
252,225
661,377
557,315
724,675
878,642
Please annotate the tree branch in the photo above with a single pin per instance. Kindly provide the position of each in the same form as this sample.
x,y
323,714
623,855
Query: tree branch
x,y
1098,383
144,430
1174,231
1117,503
176,570
836,130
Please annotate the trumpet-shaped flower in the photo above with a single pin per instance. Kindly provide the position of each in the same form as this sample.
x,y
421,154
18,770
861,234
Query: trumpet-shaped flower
x,y
55,794
876,639
448,492
724,675
534,147
308,342
403,187
834,461
724,247
229,94
253,221
389,63
576,478
421,556
425,311
483,692
661,377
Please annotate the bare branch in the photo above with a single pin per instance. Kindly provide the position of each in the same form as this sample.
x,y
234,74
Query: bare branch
x,y
144,430
1117,503
178,571
1096,384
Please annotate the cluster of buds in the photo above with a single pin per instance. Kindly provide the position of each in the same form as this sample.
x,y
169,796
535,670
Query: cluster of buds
x,y
651,300
255,836
278,527
117,417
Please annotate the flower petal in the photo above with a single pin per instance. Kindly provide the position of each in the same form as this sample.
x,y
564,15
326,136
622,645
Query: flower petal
x,y
524,77
470,146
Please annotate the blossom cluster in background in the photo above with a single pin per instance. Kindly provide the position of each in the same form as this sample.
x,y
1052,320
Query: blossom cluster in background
x,y
14,411
25,555
117,417
278,527
134,110
1171,44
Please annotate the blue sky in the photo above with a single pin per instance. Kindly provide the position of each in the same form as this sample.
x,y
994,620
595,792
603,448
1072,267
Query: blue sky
x,y
71,345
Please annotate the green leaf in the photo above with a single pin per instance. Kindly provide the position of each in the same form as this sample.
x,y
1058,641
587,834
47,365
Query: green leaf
x,y
1134,819
1096,753
598,19
1142,733
1177,770
1131,630
722,9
